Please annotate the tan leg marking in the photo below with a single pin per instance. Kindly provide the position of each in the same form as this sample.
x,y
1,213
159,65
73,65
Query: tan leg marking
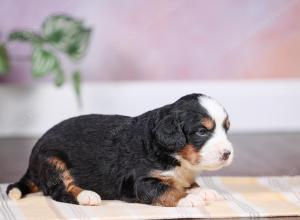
x,y
32,187
170,198
179,178
65,176
74,190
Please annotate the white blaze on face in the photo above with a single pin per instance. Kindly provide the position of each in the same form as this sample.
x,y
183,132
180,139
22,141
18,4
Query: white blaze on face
x,y
218,143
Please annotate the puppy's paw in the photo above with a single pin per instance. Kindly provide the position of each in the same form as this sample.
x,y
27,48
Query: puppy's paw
x,y
15,194
206,194
191,200
87,197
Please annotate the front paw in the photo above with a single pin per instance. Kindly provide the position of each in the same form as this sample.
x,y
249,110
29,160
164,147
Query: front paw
x,y
191,200
206,194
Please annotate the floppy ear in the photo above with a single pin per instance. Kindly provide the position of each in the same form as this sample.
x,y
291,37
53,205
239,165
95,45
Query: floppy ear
x,y
169,134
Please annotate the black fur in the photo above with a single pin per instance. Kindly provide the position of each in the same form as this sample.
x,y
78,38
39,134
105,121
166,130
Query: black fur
x,y
113,154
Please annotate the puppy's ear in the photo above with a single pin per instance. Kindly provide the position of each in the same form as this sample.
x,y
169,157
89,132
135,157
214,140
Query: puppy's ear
x,y
169,134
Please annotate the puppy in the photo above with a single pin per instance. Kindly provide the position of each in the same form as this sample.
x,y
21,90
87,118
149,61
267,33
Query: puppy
x,y
153,158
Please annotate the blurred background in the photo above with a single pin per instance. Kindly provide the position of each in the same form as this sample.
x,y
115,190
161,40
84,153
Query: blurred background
x,y
145,54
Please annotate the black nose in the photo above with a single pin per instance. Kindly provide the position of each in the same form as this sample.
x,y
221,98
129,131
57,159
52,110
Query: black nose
x,y
225,155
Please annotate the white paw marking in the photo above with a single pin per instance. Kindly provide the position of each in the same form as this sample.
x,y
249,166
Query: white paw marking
x,y
87,197
15,194
191,200
206,194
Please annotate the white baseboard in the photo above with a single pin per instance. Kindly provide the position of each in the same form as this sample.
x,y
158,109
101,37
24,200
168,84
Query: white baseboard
x,y
253,106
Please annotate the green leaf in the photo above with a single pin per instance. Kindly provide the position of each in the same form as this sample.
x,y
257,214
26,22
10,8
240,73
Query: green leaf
x,y
79,45
59,77
76,81
26,36
67,34
43,62
4,60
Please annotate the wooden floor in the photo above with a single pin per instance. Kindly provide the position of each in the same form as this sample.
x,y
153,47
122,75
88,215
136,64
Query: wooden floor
x,y
255,155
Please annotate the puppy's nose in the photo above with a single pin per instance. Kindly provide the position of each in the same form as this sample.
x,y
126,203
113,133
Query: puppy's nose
x,y
225,155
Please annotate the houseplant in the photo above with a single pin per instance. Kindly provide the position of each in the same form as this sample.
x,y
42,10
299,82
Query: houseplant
x,y
60,36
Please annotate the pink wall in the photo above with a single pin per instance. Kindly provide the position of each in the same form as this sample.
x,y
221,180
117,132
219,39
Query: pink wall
x,y
172,39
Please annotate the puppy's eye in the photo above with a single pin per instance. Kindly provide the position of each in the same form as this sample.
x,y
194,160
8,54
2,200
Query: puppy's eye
x,y
202,132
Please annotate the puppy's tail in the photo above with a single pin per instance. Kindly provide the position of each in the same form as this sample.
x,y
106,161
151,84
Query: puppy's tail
x,y
21,188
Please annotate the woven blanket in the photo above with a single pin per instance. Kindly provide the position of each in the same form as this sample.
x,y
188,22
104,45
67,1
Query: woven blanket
x,y
244,197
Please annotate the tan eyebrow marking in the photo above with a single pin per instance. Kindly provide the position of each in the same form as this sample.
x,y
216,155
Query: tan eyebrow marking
x,y
226,123
208,123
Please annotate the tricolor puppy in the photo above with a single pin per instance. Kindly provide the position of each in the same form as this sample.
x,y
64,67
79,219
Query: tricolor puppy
x,y
153,158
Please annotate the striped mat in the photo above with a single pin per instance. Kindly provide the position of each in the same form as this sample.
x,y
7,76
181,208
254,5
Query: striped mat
x,y
244,197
